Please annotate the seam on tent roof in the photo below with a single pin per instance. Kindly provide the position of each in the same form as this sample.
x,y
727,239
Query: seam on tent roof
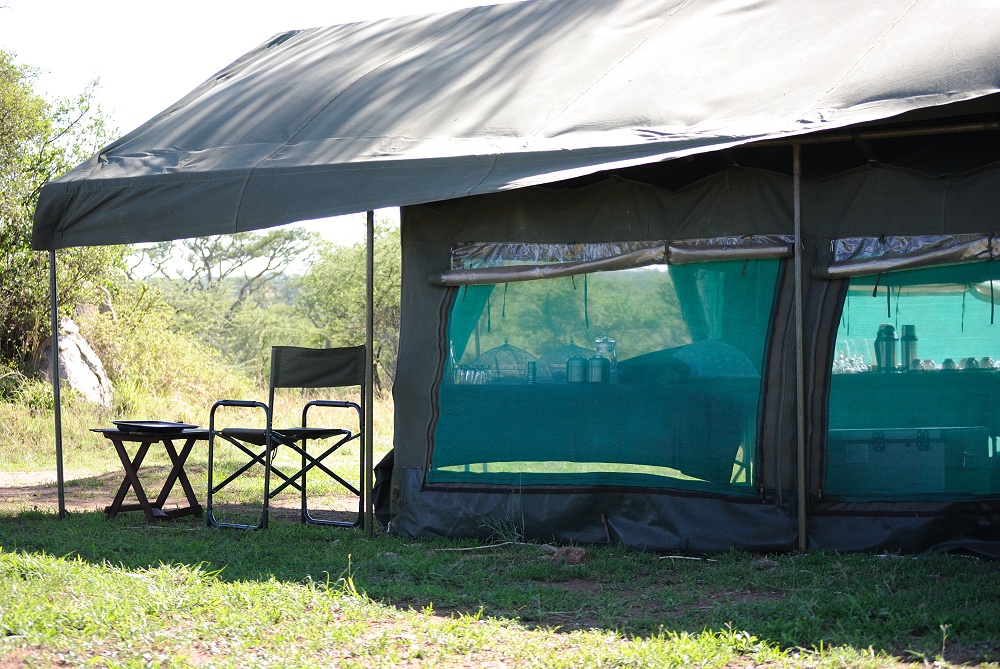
x,y
250,172
494,158
865,54
612,67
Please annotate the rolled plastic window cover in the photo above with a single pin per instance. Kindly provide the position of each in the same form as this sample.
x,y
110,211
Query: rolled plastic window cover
x,y
505,262
860,256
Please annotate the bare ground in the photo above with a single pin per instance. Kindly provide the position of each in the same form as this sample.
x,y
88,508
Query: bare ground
x,y
93,491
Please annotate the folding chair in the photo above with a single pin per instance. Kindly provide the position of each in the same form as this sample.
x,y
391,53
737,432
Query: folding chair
x,y
294,367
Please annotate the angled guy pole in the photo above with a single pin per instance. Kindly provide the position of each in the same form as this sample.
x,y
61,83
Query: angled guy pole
x,y
54,303
369,458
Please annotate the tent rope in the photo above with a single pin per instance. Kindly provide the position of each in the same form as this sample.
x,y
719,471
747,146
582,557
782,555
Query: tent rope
x,y
965,294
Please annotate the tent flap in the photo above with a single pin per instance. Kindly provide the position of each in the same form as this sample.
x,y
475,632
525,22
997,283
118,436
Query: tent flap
x,y
888,253
507,274
749,247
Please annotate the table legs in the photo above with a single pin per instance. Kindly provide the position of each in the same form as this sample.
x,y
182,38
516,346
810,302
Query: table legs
x,y
131,466
177,474
154,511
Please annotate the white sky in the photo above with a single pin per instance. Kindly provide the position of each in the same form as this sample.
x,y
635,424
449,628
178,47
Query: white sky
x,y
148,54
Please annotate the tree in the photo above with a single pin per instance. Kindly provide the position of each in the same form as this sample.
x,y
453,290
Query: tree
x,y
232,291
39,141
332,295
242,264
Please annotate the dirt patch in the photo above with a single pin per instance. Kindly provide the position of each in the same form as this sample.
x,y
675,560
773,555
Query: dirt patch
x,y
11,661
577,585
86,491
17,660
30,479
635,605
711,598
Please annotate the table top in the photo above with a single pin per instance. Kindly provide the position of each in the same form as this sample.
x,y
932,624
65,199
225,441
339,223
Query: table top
x,y
151,435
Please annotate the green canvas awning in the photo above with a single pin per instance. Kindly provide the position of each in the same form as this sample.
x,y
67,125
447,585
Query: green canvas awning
x,y
349,118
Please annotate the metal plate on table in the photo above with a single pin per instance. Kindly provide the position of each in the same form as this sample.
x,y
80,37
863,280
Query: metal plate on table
x,y
152,426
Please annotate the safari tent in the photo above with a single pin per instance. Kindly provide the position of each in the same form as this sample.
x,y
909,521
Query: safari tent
x,y
680,275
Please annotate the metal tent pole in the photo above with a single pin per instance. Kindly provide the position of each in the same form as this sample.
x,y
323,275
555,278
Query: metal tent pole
x,y
370,376
889,133
800,393
54,303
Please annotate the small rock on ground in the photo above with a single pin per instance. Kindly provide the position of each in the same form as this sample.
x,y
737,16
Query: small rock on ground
x,y
567,554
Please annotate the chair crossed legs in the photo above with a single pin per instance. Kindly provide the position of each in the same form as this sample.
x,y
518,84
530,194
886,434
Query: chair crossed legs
x,y
294,367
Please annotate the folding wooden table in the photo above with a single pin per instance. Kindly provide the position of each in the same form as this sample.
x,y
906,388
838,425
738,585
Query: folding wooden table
x,y
154,511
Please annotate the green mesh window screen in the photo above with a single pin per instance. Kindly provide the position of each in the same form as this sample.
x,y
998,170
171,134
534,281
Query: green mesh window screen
x,y
914,410
638,377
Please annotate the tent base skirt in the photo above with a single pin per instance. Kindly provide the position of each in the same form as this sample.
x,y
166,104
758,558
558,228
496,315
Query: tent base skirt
x,y
684,522
907,527
638,519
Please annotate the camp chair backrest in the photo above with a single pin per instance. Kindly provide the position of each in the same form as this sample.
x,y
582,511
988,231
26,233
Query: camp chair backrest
x,y
296,367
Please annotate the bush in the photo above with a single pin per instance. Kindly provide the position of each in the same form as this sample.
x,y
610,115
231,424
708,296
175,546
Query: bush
x,y
153,367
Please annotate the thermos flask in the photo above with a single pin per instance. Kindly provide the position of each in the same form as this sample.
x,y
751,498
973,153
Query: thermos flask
x,y
576,370
885,348
908,347
598,369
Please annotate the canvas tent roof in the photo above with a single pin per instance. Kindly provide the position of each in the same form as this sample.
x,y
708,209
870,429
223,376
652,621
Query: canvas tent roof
x,y
350,118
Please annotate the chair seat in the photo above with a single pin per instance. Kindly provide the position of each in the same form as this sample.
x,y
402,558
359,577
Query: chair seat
x,y
257,436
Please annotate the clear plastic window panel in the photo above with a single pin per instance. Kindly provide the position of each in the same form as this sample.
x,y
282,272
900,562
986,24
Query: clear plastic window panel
x,y
914,410
641,377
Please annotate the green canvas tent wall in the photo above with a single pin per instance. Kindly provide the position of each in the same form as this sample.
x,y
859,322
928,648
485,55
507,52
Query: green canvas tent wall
x,y
594,147
674,457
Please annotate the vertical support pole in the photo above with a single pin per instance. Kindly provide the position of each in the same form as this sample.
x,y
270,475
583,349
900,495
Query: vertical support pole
x,y
54,304
800,392
370,377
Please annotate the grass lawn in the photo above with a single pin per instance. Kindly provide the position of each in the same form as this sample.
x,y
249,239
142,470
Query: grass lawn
x,y
91,592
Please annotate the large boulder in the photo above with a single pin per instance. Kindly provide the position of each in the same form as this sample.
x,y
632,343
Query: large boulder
x,y
79,367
